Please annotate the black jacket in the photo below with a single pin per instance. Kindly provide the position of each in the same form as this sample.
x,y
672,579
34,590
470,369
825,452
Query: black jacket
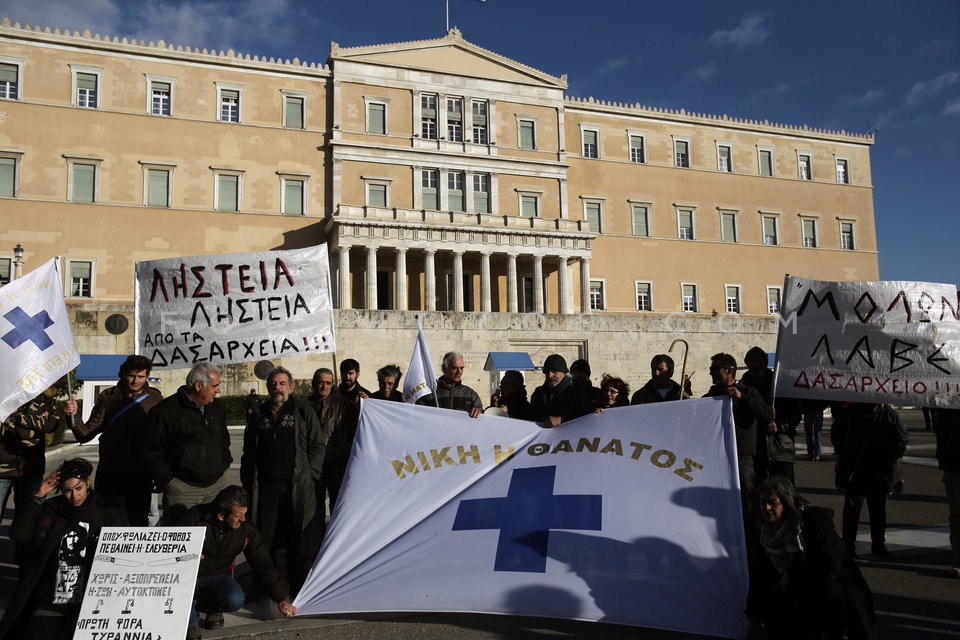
x,y
750,412
648,393
869,441
186,443
458,397
566,400
222,545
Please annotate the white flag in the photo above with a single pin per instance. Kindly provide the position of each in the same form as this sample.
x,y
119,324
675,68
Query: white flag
x,y
36,342
420,379
630,517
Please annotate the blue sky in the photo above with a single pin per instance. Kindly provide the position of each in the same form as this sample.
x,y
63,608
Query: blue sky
x,y
854,65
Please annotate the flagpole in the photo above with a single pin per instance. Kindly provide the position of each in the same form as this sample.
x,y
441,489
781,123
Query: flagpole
x,y
448,15
56,268
431,382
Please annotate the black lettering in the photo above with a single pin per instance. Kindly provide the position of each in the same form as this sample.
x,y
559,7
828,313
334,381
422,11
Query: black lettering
x,y
828,298
158,283
178,354
865,353
300,303
215,348
157,359
242,307
902,297
273,309
287,345
897,356
248,349
932,361
180,284
825,341
193,317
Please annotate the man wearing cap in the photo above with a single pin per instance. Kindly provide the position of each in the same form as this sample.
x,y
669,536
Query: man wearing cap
x,y
558,399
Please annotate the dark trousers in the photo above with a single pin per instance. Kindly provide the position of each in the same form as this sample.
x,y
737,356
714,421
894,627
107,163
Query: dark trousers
x,y
131,495
877,508
279,530
215,594
23,489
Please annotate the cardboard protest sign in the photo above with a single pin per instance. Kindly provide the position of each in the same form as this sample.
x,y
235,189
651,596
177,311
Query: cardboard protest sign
x,y
235,307
141,583
894,342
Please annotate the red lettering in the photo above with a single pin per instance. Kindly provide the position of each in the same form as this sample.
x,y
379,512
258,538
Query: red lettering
x,y
199,292
224,279
281,269
245,279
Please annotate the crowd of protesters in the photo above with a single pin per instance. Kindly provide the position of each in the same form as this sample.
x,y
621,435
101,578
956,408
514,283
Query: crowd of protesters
x,y
804,582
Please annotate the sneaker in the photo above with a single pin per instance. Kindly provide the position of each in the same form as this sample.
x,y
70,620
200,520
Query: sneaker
x,y
213,621
880,550
193,632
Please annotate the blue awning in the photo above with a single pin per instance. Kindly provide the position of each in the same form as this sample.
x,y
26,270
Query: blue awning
x,y
506,360
94,366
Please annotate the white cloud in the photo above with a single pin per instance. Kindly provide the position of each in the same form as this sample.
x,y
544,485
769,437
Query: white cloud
x,y
952,108
779,89
609,66
99,16
703,74
872,95
750,31
923,91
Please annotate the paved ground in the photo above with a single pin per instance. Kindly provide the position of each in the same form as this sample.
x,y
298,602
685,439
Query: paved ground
x,y
915,598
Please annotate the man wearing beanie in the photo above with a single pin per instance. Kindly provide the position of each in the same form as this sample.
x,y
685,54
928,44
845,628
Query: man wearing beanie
x,y
558,399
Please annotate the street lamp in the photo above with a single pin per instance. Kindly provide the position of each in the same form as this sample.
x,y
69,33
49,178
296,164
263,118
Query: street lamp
x,y
17,260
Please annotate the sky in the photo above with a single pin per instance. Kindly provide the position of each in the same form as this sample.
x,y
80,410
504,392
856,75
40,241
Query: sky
x,y
885,66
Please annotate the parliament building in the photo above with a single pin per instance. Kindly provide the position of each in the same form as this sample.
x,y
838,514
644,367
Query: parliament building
x,y
446,181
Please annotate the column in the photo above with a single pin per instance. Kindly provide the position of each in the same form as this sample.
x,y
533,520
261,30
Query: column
x,y
563,275
343,273
485,304
538,284
512,306
458,280
585,285
401,301
430,280
371,278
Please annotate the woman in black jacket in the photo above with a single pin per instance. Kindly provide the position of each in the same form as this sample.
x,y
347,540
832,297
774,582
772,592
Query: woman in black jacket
x,y
802,583
63,531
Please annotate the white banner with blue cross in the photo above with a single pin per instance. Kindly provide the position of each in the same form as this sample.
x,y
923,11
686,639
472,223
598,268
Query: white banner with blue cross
x,y
631,517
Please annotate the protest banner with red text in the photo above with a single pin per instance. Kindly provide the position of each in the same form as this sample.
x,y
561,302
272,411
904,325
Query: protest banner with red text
x,y
894,342
234,307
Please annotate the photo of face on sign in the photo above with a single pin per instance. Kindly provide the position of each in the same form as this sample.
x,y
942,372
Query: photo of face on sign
x,y
70,565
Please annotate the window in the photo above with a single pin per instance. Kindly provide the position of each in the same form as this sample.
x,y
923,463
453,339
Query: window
x,y
428,116
592,214
809,232
81,278
724,158
637,148
455,119
429,188
685,223
6,271
597,299
681,152
728,226
527,134
644,296
732,296
377,117
846,236
229,100
10,80
773,299
526,294
529,206
766,162
805,166
160,98
377,194
641,220
294,111
481,192
87,83
479,110
158,187
843,177
770,235
8,177
294,190
455,191
83,182
688,298
228,192
590,143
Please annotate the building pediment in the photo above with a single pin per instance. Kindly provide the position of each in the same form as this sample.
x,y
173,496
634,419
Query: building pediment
x,y
450,55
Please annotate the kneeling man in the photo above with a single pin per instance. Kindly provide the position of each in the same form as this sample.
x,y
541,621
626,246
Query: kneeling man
x,y
228,533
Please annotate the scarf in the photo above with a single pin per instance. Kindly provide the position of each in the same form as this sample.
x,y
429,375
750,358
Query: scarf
x,y
781,542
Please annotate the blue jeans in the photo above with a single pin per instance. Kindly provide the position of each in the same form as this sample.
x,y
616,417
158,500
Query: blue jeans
x,y
812,427
215,594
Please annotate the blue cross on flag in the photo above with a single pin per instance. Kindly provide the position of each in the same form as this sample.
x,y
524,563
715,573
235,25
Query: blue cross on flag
x,y
36,341
630,517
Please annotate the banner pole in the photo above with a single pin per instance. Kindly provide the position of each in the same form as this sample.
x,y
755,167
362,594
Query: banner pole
x,y
56,268
776,353
432,383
